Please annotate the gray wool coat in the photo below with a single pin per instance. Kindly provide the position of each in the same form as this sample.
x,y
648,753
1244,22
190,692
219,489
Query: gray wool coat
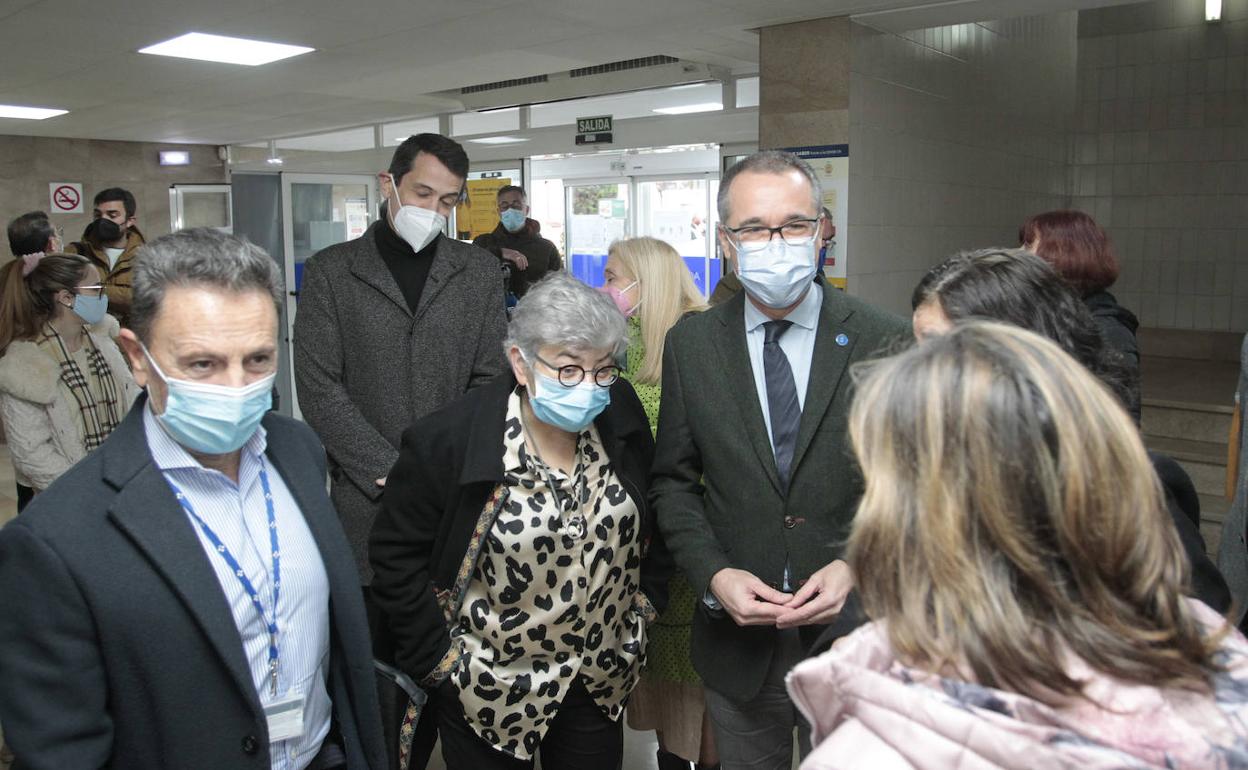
x,y
366,367
1233,552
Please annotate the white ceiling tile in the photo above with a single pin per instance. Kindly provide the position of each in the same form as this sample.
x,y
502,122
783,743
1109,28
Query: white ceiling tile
x,y
376,60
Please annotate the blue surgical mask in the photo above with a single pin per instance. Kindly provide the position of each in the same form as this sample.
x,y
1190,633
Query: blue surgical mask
x,y
569,409
778,274
512,219
90,309
212,419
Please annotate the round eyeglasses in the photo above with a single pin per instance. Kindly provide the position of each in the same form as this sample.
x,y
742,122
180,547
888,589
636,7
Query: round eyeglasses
x,y
571,375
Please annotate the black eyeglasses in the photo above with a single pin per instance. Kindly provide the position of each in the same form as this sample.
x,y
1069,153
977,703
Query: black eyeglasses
x,y
795,232
571,375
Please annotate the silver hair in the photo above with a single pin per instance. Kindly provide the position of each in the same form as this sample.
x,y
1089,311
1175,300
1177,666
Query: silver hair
x,y
198,257
769,162
561,310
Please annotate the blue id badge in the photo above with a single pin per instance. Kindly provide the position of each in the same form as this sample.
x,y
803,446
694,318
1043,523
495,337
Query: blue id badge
x,y
285,717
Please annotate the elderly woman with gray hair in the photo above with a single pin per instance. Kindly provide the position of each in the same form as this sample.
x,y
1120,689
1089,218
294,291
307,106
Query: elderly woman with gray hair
x,y
515,554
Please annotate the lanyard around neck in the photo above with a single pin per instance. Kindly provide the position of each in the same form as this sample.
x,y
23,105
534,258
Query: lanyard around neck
x,y
237,568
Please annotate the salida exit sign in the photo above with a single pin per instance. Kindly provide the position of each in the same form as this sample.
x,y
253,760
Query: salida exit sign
x,y
597,130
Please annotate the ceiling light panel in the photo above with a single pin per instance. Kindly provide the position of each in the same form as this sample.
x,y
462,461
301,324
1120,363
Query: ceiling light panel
x,y
226,50
686,109
28,113
499,140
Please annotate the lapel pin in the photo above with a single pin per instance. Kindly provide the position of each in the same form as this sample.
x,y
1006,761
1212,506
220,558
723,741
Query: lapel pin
x,y
842,340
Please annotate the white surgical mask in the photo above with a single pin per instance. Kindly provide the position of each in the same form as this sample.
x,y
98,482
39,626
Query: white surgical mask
x,y
778,274
414,224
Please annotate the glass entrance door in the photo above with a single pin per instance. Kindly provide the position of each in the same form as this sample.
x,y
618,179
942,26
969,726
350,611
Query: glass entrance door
x,y
682,213
597,217
320,210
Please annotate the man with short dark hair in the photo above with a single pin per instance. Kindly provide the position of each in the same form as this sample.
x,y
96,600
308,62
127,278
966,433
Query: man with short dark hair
x,y
752,479
110,242
184,596
518,241
393,325
32,233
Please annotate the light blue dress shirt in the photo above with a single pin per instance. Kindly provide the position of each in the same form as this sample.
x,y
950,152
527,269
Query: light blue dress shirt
x,y
798,344
238,515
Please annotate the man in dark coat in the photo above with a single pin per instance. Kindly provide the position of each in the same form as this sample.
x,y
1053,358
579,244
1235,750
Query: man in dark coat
x,y
184,597
518,241
390,327
756,503
393,325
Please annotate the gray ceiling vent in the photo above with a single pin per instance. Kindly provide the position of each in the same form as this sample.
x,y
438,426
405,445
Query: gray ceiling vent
x,y
620,66
503,84
614,78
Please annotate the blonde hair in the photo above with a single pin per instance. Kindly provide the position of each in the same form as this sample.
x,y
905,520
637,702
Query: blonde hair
x,y
1011,515
666,292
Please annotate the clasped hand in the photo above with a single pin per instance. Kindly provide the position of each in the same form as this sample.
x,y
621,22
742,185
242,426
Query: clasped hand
x,y
751,602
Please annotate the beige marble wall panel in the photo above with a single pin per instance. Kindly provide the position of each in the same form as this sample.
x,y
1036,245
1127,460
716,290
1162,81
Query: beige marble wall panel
x,y
801,129
804,77
118,161
28,164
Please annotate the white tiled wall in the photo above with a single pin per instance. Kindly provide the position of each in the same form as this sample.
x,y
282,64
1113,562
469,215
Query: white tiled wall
x,y
957,134
1160,156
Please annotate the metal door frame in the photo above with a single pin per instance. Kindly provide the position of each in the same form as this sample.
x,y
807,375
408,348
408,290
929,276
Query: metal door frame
x,y
288,258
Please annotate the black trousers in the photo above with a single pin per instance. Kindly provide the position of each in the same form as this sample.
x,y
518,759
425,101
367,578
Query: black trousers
x,y
24,495
580,737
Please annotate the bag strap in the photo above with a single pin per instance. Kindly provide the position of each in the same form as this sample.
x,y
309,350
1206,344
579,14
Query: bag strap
x,y
452,600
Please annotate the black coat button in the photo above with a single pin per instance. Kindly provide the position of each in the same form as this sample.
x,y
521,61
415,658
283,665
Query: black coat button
x,y
250,744
790,522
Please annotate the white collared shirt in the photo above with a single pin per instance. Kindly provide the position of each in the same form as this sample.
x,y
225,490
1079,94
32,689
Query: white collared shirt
x,y
238,515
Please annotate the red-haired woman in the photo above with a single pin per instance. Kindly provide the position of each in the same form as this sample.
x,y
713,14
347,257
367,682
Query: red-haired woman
x,y
1080,251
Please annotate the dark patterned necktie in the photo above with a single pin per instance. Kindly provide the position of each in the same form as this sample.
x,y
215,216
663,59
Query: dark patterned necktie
x,y
782,403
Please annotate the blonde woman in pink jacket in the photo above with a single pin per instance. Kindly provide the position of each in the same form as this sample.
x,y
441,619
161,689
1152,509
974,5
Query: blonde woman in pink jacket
x,y
1024,580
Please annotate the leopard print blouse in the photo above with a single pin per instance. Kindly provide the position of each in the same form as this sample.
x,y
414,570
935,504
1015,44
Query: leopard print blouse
x,y
551,601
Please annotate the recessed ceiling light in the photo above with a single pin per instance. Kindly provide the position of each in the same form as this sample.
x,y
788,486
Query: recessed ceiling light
x,y
227,50
499,140
685,109
28,113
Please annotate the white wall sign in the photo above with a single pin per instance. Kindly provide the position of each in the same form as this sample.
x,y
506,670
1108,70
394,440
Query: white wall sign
x,y
65,197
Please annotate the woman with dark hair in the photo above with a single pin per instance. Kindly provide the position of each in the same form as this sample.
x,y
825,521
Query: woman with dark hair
x,y
1081,253
1025,613
64,385
1019,288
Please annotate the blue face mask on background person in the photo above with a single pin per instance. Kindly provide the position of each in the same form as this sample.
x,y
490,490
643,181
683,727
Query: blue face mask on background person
x,y
778,274
90,309
212,419
568,409
512,219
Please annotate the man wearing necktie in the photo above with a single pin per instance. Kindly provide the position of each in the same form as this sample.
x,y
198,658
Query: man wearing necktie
x,y
753,483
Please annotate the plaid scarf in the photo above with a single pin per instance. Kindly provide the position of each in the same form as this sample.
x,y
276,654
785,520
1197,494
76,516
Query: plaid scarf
x,y
99,416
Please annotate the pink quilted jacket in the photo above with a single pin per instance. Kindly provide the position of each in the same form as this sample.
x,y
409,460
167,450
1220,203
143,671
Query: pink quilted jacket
x,y
867,710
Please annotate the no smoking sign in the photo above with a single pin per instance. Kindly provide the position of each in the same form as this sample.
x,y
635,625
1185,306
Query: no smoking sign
x,y
65,197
